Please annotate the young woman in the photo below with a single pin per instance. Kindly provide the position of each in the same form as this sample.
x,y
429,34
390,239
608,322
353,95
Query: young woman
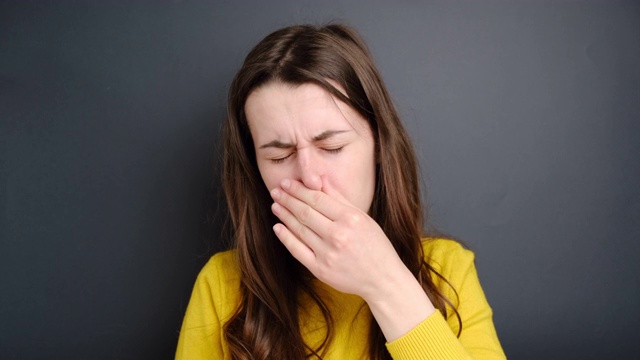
x,y
330,259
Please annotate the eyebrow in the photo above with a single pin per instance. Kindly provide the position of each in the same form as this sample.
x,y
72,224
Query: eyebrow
x,y
322,136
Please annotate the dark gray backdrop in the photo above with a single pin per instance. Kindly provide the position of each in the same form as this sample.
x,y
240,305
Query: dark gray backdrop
x,y
525,116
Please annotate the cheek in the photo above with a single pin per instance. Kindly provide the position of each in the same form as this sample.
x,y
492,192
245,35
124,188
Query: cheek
x,y
355,181
369,185
270,175
366,173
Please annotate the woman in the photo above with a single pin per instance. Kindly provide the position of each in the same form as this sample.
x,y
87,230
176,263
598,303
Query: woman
x,y
322,186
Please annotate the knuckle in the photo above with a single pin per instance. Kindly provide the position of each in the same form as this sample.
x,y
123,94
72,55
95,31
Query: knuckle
x,y
329,260
340,239
294,187
305,213
316,199
284,199
300,230
353,218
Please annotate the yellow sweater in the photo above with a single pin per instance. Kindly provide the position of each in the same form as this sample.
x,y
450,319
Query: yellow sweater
x,y
216,295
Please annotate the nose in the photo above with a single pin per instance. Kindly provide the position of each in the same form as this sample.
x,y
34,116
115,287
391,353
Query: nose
x,y
309,168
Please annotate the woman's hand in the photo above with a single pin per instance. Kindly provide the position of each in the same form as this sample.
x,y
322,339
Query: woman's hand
x,y
346,249
341,245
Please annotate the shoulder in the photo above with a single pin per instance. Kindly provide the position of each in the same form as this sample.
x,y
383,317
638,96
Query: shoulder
x,y
220,280
222,266
441,253
450,259
214,299
222,271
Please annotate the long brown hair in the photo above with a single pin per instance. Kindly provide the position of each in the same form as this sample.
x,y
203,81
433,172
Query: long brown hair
x,y
265,324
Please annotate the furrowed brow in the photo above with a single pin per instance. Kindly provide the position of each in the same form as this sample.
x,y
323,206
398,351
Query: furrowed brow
x,y
322,136
276,144
327,134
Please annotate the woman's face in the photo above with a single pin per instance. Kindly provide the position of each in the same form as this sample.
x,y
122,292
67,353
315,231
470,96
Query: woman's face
x,y
302,132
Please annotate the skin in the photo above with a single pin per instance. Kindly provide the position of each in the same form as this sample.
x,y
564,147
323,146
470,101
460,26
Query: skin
x,y
316,155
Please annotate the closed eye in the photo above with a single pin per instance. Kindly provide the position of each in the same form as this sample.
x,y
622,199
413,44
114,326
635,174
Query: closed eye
x,y
334,151
330,151
279,160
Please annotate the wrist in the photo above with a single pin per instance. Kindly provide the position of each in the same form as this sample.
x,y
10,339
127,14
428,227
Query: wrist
x,y
399,304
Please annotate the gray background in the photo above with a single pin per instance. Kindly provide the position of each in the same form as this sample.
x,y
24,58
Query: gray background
x,y
524,113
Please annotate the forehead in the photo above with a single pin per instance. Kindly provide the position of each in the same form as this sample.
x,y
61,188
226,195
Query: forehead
x,y
276,95
308,107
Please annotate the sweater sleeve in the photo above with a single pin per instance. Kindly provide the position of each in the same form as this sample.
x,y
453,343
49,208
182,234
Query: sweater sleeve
x,y
435,337
201,335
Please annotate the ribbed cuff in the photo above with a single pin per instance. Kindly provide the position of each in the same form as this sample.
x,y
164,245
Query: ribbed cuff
x,y
431,339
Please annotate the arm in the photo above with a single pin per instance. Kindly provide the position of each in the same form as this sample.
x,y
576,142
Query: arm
x,y
346,249
478,339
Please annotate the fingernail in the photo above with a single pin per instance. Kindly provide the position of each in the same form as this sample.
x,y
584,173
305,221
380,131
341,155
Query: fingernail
x,y
275,207
286,184
275,193
276,229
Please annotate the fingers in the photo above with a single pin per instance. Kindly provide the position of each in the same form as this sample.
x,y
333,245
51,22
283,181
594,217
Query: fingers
x,y
332,192
300,230
308,218
319,201
297,248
